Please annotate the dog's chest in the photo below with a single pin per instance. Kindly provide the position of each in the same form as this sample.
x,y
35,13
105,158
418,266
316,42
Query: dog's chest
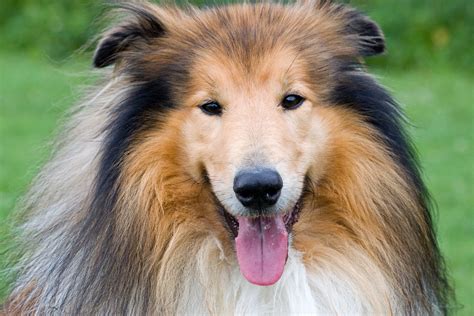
x,y
299,291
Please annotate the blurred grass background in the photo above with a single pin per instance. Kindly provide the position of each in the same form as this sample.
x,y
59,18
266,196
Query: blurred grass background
x,y
429,66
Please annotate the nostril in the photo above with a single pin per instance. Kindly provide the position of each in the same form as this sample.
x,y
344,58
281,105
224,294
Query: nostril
x,y
273,191
245,194
270,196
271,199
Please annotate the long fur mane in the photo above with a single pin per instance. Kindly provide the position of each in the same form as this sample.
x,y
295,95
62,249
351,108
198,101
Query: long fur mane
x,y
108,227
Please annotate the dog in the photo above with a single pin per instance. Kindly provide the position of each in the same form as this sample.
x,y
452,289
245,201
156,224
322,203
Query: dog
x,y
234,160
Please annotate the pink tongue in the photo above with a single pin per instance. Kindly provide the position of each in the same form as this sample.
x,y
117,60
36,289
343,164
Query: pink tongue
x,y
262,248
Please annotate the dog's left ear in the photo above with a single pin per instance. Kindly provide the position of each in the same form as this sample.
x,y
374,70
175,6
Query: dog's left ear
x,y
142,26
368,36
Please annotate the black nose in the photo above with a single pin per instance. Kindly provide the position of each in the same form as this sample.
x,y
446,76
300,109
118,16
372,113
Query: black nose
x,y
258,188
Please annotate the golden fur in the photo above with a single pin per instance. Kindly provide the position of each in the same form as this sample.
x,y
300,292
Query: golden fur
x,y
363,243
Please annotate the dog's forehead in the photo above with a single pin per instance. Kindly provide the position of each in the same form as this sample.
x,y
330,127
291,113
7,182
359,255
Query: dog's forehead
x,y
240,30
220,77
256,45
278,65
239,49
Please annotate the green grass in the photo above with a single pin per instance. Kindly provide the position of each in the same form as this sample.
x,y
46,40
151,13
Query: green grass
x,y
439,102
33,95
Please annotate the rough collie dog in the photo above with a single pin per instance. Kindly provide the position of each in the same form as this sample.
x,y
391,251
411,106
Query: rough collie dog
x,y
235,160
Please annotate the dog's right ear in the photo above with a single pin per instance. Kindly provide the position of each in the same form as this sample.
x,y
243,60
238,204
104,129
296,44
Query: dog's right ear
x,y
368,36
143,26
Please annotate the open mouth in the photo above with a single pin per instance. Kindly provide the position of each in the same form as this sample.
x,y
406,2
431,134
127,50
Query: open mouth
x,y
289,219
261,244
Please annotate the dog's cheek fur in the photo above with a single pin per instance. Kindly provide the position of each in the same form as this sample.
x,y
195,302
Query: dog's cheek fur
x,y
179,210
356,204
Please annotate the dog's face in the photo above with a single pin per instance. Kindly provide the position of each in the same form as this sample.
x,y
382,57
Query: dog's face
x,y
252,100
255,133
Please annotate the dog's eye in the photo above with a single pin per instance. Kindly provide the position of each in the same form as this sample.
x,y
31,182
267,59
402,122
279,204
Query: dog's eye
x,y
211,108
292,101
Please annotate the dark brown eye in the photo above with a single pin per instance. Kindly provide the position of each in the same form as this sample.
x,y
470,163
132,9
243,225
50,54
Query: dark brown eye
x,y
211,108
292,101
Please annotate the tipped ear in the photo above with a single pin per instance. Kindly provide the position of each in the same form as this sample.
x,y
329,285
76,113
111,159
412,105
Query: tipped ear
x,y
369,37
143,26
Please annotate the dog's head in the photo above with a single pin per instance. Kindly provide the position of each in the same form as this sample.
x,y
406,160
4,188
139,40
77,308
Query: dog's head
x,y
250,91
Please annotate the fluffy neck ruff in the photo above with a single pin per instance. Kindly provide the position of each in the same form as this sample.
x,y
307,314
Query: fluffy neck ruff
x,y
212,283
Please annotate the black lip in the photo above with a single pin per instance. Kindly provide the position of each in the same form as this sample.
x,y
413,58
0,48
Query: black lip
x,y
232,224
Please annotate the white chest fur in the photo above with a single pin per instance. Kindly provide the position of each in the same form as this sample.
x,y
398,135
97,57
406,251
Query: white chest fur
x,y
328,289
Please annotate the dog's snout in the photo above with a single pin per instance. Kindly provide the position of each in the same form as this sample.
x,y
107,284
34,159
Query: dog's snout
x,y
258,188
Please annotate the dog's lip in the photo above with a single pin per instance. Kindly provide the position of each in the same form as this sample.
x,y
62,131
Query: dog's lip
x,y
290,218
231,222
